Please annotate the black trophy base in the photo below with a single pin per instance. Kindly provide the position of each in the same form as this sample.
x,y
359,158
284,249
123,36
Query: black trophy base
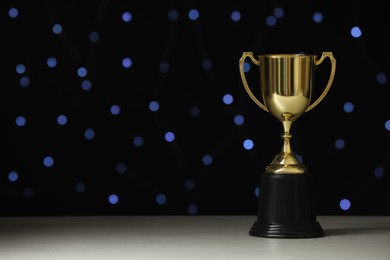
x,y
286,207
309,230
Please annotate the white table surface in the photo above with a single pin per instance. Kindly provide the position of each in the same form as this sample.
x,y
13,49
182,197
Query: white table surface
x,y
186,237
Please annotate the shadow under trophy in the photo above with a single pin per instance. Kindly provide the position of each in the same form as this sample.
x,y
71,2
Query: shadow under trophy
x,y
286,201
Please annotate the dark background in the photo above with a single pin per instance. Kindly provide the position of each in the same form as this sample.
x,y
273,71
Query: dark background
x,y
187,66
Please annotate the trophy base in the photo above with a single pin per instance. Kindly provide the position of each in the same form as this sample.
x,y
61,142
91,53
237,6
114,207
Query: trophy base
x,y
309,230
286,207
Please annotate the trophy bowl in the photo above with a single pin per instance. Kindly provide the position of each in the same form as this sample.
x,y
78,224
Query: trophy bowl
x,y
286,201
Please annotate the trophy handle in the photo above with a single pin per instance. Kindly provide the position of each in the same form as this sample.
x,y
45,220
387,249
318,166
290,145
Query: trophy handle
x,y
247,88
331,77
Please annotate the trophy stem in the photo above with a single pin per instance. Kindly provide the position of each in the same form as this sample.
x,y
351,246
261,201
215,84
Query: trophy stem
x,y
286,135
286,162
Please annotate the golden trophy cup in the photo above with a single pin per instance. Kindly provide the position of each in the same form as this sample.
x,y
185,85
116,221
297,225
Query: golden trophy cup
x,y
286,201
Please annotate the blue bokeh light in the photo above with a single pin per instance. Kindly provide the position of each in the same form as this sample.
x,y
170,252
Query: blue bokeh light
x,y
257,191
278,12
387,125
381,78
127,17
271,20
164,67
345,204
356,32
127,63
348,107
80,187
193,14
194,111
51,62
138,141
235,16
113,199
20,69
379,172
248,144
89,134
121,168
93,36
227,99
86,85
192,209
62,119
161,199
339,144
207,64
154,106
24,82
189,184
13,176
173,15
57,28
20,121
13,12
169,136
48,161
207,159
247,67
318,17
82,72
239,120
115,110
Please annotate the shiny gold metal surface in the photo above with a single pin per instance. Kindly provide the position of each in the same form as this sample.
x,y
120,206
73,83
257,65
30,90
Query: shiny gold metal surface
x,y
286,83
